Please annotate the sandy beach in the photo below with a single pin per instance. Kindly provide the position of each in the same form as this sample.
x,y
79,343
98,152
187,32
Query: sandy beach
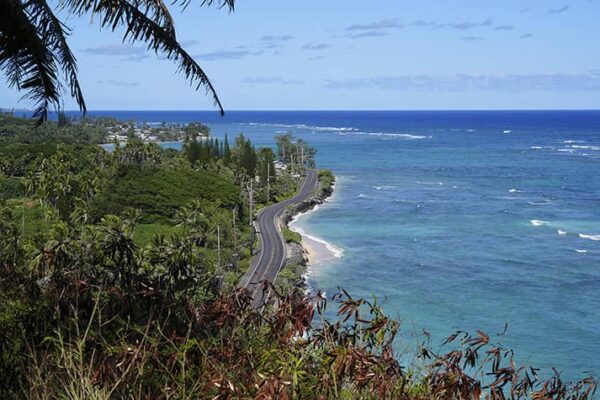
x,y
318,251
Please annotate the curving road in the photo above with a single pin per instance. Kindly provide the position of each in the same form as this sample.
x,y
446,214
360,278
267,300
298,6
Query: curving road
x,y
269,261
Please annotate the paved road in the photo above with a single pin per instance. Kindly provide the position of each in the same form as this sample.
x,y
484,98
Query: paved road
x,y
269,261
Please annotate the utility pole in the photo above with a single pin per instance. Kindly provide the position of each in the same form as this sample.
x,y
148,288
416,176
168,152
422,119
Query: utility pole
x,y
235,245
292,162
218,248
234,233
268,180
250,202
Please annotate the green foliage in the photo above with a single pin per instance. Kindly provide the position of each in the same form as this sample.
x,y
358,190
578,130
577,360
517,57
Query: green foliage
x,y
118,279
326,178
290,236
83,131
159,193
284,188
289,279
143,234
295,152
10,188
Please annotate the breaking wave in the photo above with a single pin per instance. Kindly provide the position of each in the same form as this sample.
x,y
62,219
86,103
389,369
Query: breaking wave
x,y
538,222
339,130
595,238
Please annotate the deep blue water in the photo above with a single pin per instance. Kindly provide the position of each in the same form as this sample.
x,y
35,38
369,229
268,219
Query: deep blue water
x,y
458,220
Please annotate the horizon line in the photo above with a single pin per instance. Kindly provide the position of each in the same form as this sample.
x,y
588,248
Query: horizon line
x,y
2,109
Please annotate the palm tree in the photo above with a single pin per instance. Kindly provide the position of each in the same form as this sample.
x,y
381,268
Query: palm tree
x,y
195,222
34,51
118,246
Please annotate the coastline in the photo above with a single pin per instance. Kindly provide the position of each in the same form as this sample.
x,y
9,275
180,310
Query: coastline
x,y
312,251
317,250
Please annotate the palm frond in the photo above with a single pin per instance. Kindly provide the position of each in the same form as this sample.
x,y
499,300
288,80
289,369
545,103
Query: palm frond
x,y
26,59
56,34
220,3
150,27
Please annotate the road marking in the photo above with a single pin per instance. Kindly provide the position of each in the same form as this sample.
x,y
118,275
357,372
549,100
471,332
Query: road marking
x,y
248,278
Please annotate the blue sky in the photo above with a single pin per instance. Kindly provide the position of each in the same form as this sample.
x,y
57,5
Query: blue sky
x,y
383,54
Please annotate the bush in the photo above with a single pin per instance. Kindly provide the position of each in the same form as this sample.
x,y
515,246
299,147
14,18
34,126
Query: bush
x,y
159,193
9,188
290,236
326,178
144,233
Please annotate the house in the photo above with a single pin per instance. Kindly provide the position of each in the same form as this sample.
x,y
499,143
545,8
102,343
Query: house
x,y
280,165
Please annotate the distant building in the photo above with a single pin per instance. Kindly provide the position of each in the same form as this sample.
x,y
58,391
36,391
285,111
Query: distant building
x,y
280,165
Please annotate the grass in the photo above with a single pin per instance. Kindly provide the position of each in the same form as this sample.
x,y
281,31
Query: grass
x,y
38,218
144,233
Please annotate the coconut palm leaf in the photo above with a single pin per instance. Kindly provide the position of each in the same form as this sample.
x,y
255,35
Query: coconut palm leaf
x,y
141,27
34,48
55,34
26,58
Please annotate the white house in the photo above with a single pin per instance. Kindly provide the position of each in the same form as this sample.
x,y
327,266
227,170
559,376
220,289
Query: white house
x,y
280,165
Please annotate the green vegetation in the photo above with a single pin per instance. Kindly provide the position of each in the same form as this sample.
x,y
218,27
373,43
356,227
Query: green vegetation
x,y
295,152
290,236
9,188
159,193
143,234
118,279
21,132
326,178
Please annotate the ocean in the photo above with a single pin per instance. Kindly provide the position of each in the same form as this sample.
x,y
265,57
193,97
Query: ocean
x,y
456,220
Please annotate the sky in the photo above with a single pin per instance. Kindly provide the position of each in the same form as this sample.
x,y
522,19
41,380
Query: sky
x,y
353,55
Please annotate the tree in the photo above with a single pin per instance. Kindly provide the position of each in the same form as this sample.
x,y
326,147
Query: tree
x,y
34,51
284,147
226,151
266,169
295,151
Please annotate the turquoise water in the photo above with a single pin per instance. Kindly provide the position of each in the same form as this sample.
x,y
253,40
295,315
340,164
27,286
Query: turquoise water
x,y
459,220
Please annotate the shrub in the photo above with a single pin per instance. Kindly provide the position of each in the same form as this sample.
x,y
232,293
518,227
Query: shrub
x,y
290,236
159,193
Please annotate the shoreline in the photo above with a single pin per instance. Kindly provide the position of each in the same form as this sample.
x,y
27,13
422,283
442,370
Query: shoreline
x,y
318,250
312,251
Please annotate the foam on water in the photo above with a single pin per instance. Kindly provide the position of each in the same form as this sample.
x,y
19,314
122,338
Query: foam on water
x,y
544,202
335,251
594,148
561,232
383,187
431,183
406,136
304,126
538,222
590,237
339,130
